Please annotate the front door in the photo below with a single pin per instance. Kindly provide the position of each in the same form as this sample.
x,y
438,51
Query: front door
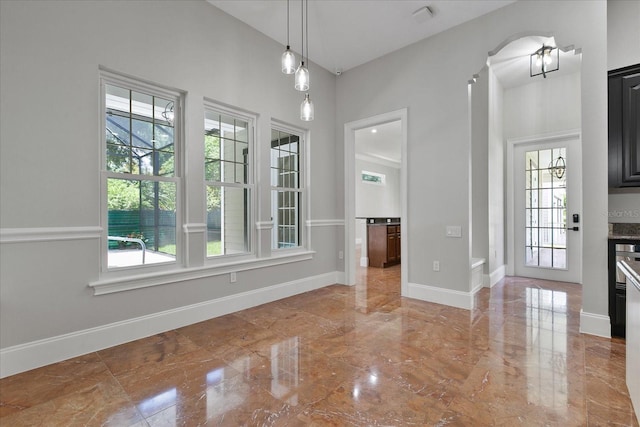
x,y
547,201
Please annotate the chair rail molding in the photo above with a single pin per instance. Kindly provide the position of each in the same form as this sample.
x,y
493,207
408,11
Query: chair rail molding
x,y
48,234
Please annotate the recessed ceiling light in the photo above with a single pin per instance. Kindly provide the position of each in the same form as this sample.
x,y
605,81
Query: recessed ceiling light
x,y
374,130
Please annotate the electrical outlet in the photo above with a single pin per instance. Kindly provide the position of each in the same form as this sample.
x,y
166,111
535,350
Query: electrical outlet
x,y
453,231
436,265
340,255
232,277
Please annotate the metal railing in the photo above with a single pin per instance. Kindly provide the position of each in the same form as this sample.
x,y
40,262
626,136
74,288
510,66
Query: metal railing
x,y
132,240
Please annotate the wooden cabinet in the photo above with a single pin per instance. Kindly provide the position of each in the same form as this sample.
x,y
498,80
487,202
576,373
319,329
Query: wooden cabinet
x,y
624,127
383,243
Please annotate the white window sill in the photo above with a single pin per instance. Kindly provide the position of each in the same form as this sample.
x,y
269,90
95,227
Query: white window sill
x,y
121,284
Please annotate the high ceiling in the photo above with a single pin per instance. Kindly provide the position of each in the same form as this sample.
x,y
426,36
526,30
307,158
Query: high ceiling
x,y
346,33
511,63
343,34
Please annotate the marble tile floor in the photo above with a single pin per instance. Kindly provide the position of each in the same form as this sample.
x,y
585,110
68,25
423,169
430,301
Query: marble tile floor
x,y
348,356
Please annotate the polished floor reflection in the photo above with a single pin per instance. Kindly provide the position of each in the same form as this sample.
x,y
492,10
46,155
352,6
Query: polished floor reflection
x,y
358,356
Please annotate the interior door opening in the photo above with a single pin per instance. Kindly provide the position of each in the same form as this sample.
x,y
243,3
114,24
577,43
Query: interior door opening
x,y
375,194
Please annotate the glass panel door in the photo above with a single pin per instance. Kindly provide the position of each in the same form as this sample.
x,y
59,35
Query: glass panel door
x,y
546,208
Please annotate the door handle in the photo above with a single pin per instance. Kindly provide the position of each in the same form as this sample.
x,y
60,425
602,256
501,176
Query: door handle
x,y
573,228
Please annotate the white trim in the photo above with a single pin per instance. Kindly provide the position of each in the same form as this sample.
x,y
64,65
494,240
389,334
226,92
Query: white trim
x,y
264,225
496,275
364,261
340,278
475,290
595,324
48,234
486,280
378,160
325,222
443,296
39,353
477,262
195,227
121,284
128,82
477,278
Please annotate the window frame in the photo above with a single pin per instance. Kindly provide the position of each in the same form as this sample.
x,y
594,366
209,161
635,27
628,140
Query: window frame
x,y
304,238
250,185
129,83
187,267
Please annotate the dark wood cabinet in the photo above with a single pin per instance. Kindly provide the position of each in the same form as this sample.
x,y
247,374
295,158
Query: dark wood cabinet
x,y
624,127
383,245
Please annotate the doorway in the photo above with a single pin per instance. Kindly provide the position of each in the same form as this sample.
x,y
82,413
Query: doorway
x,y
536,117
352,259
546,203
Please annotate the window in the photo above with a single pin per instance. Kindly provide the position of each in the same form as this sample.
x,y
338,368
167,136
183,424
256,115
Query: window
x,y
546,208
286,188
227,158
373,177
140,173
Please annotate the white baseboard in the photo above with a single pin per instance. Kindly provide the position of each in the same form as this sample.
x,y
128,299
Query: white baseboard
x,y
595,324
364,261
496,275
443,296
24,357
341,278
486,280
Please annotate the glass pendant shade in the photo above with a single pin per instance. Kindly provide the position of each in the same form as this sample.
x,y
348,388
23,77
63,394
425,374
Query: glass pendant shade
x,y
306,109
288,62
302,78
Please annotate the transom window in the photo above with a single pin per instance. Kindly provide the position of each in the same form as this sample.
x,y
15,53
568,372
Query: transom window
x,y
373,177
227,162
286,188
140,174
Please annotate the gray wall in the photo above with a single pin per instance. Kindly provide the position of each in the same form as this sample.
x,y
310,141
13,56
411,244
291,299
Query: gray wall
x,y
432,83
623,33
541,107
50,53
623,43
497,243
480,168
374,200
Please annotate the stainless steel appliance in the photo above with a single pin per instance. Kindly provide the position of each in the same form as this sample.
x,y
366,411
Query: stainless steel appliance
x,y
623,252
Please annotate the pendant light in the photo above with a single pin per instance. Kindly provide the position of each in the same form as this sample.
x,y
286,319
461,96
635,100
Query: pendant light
x,y
288,58
302,73
546,60
306,109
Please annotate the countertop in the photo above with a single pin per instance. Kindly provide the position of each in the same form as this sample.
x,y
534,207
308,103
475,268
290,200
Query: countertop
x,y
624,231
631,269
624,237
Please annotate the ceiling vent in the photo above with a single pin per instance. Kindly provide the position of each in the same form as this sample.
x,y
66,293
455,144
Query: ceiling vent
x,y
423,14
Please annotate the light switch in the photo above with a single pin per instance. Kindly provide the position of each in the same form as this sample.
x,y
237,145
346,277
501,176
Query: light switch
x,y
454,231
